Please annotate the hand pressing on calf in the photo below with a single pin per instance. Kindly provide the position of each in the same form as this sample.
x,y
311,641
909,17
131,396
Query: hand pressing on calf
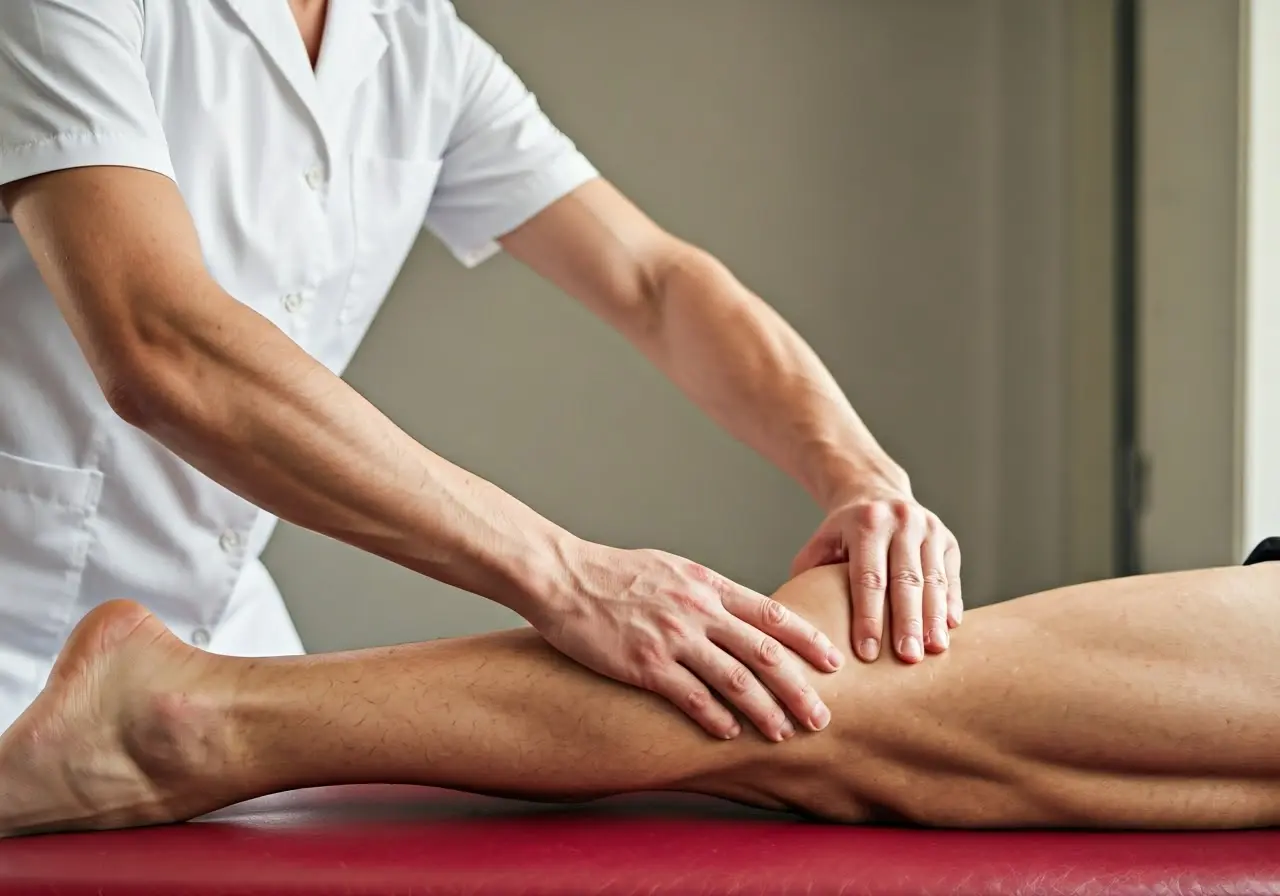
x,y
668,625
904,563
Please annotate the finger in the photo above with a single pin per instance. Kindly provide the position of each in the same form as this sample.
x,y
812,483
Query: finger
x,y
868,573
736,683
934,596
906,582
680,686
791,629
781,673
955,601
824,548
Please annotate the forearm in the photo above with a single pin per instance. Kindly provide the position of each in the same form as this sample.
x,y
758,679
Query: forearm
x,y
231,394
753,374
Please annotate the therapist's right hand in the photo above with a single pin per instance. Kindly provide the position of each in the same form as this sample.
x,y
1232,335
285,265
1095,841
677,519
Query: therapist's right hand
x,y
671,626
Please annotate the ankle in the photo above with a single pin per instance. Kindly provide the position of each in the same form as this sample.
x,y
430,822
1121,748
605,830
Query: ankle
x,y
177,738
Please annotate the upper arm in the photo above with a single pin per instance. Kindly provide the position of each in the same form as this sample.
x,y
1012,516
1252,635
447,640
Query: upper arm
x,y
117,250
85,171
504,160
597,246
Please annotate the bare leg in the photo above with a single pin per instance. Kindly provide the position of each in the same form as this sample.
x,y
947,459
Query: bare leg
x,y
147,729
1141,702
1145,702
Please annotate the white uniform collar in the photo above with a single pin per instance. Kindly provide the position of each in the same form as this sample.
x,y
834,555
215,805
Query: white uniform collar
x,y
353,44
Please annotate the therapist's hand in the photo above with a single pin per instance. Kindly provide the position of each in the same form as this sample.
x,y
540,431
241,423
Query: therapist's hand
x,y
668,625
904,563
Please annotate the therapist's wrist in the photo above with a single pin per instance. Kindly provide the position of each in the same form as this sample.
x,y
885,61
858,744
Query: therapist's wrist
x,y
848,479
542,574
560,577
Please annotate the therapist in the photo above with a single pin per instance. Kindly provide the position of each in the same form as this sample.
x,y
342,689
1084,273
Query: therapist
x,y
208,204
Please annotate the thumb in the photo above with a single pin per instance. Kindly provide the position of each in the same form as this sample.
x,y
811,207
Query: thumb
x,y
826,546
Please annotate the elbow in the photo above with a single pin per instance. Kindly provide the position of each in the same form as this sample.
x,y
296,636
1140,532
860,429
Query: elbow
x,y
130,400
148,356
682,268
150,390
680,275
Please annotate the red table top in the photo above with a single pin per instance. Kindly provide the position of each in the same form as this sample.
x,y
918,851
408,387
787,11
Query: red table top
x,y
408,840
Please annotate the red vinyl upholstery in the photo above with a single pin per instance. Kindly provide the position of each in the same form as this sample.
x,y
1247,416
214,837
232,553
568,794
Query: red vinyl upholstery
x,y
405,840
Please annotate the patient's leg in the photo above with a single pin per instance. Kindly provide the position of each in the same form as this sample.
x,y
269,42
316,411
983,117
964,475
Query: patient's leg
x,y
1146,701
1151,701
136,727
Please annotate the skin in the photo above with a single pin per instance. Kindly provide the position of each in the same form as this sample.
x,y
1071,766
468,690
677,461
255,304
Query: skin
x,y
1119,704
228,392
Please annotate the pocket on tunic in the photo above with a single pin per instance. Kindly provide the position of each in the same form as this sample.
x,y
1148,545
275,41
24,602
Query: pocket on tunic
x,y
46,513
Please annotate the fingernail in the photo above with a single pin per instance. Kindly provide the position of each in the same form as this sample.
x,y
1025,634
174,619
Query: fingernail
x,y
788,732
820,718
941,638
909,648
835,658
869,649
733,732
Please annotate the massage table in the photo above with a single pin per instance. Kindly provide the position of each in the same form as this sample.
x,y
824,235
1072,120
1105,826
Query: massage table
x,y
383,840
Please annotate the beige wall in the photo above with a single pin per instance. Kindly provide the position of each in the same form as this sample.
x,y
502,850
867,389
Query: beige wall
x,y
1089,281
889,174
1189,322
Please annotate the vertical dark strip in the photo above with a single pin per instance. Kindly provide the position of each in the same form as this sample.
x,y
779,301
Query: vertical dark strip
x,y
1128,459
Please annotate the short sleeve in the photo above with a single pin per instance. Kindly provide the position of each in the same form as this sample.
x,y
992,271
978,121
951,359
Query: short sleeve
x,y
75,89
504,160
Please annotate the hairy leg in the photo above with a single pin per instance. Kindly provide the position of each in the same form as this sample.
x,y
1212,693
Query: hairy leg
x,y
136,727
1143,702
1126,703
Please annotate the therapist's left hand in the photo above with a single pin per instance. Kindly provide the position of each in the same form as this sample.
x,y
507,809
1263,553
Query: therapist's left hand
x,y
904,563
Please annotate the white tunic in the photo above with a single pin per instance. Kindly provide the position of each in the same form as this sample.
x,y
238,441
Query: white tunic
x,y
307,190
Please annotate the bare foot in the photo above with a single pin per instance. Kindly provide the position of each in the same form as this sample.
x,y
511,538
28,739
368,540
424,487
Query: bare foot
x,y
116,736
